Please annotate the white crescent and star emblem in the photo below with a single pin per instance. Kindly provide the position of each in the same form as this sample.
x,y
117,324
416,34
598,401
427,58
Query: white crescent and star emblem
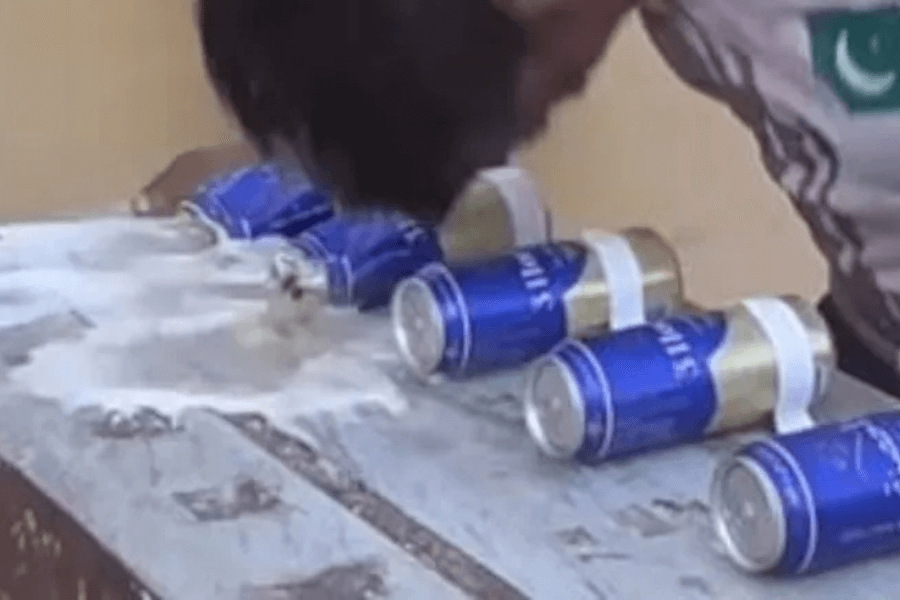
x,y
862,81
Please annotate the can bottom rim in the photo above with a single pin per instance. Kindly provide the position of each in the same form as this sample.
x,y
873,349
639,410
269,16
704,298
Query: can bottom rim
x,y
423,362
727,535
535,416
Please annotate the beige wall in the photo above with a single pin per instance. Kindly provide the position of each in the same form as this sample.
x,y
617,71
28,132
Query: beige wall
x,y
97,95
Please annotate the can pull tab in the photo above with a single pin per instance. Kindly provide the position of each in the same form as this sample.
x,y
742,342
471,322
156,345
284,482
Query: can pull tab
x,y
624,278
294,271
795,362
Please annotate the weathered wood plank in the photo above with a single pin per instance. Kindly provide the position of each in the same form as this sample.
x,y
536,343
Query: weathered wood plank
x,y
636,528
200,512
452,498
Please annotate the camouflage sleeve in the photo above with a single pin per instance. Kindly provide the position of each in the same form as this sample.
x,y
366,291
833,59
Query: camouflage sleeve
x,y
686,48
820,88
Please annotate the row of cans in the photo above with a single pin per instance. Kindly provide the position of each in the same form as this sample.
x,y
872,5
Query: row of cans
x,y
816,498
617,364
609,381
486,315
355,259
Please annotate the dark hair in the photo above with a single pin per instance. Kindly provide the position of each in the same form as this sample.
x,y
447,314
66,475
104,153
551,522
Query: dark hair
x,y
392,103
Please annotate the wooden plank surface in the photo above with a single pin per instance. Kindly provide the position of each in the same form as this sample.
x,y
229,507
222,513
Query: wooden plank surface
x,y
197,511
635,528
353,473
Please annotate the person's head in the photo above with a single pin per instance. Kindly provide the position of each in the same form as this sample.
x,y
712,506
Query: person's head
x,y
397,103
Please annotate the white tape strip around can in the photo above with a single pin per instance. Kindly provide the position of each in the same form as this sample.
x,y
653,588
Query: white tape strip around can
x,y
624,278
795,362
522,198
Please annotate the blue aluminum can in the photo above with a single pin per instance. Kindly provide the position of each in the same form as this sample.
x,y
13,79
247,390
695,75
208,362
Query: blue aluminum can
x,y
259,201
814,500
500,313
358,259
670,381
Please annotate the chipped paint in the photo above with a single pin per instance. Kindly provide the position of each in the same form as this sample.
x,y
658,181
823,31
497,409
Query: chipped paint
x,y
46,555
452,562
232,501
357,581
144,423
33,539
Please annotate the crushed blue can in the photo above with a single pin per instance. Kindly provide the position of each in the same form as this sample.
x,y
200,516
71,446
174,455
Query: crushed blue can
x,y
357,259
258,201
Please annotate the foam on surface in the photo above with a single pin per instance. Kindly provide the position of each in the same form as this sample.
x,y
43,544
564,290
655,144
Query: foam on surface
x,y
171,324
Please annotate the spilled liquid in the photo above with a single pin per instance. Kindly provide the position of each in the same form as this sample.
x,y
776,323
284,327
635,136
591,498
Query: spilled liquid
x,y
129,313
